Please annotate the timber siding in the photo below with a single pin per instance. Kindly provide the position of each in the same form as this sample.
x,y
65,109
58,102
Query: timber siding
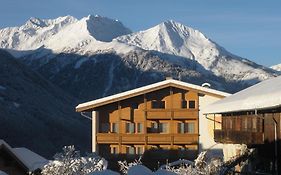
x,y
249,129
163,119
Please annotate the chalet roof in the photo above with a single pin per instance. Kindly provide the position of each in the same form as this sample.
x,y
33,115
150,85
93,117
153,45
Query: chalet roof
x,y
264,95
146,89
30,160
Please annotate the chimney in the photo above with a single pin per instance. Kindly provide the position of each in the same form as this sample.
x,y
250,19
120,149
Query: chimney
x,y
169,78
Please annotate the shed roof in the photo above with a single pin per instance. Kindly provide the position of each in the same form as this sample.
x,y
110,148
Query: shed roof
x,y
29,159
264,95
146,89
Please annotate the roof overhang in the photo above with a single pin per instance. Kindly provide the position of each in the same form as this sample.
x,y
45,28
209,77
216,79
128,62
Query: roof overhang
x,y
265,95
88,106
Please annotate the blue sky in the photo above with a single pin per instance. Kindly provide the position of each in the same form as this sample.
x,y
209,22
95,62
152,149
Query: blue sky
x,y
250,29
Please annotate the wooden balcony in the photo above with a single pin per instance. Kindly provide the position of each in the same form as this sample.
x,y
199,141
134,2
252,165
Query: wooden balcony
x,y
159,138
186,114
151,138
132,138
107,138
239,137
169,113
185,138
159,114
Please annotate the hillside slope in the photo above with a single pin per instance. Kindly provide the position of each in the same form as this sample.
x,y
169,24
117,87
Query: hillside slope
x,y
36,114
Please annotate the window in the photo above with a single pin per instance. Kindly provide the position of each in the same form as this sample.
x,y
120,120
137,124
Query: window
x,y
190,128
186,128
154,127
130,127
114,150
130,150
183,104
163,128
139,150
139,127
192,104
158,104
104,127
114,127
181,128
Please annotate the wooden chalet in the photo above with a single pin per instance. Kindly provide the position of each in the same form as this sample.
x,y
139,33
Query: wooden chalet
x,y
252,117
164,116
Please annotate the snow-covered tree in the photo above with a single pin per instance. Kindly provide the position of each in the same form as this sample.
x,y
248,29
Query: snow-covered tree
x,y
125,166
203,165
69,162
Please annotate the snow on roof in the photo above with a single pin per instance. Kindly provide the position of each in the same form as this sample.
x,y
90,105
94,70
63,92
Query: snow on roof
x,y
264,95
32,160
29,159
145,89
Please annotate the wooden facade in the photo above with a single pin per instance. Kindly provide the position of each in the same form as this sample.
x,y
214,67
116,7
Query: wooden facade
x,y
160,121
165,119
248,128
261,131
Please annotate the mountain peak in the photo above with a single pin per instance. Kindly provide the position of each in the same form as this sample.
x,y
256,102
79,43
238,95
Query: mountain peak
x,y
276,67
171,37
36,22
105,29
171,22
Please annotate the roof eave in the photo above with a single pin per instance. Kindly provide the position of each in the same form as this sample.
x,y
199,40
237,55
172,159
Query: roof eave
x,y
84,107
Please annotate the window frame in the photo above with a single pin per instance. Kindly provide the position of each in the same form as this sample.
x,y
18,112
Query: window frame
x,y
191,103
161,128
112,128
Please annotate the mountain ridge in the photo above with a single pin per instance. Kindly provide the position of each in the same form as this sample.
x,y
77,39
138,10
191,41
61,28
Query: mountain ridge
x,y
35,113
170,41
65,53
276,67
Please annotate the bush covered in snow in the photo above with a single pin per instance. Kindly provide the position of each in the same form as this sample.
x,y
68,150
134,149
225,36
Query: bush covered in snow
x,y
69,162
203,165
125,166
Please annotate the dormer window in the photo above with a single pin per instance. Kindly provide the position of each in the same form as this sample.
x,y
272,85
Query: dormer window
x,y
158,104
184,104
191,104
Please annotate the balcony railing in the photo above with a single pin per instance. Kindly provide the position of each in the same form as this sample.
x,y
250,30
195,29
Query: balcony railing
x,y
238,137
151,138
175,113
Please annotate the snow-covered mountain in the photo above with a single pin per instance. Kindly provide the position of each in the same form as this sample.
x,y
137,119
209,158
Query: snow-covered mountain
x,y
62,34
94,57
174,38
66,44
276,67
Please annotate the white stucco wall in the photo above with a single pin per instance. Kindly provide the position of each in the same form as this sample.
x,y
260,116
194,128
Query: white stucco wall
x,y
206,132
233,150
